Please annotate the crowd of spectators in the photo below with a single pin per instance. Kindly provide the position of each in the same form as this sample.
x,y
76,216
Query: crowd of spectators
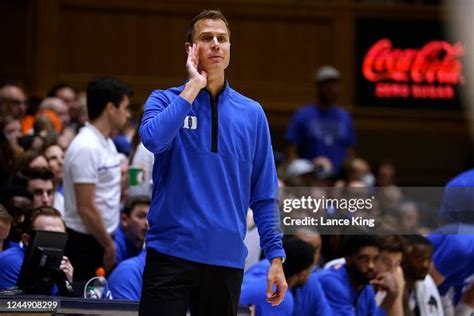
x,y
47,169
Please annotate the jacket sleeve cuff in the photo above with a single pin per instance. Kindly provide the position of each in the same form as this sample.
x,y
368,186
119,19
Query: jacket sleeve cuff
x,y
183,102
277,253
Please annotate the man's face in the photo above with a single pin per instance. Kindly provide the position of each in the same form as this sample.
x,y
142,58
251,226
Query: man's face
x,y
361,266
136,224
417,261
55,156
49,223
212,37
12,102
121,114
329,91
388,261
70,98
62,110
13,130
42,192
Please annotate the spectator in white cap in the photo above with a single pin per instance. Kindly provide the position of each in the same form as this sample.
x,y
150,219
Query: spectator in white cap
x,y
322,128
300,172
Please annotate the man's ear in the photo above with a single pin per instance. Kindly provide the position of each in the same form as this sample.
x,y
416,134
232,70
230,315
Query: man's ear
x,y
25,238
124,219
110,107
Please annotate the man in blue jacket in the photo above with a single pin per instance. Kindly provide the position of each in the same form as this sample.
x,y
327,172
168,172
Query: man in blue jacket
x,y
130,235
213,160
348,288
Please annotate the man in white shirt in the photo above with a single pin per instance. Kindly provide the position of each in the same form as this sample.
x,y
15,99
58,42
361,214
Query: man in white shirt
x,y
92,180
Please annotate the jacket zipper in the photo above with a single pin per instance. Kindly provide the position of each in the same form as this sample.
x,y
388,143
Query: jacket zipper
x,y
215,125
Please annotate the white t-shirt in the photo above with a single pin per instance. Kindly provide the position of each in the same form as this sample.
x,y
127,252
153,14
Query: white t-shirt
x,y
58,202
92,158
426,296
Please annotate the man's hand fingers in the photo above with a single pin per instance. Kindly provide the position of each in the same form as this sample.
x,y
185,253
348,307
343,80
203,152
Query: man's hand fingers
x,y
196,53
275,298
269,288
281,290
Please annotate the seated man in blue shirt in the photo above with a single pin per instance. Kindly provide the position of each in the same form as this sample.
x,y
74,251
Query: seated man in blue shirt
x,y
43,218
300,260
348,288
130,235
125,282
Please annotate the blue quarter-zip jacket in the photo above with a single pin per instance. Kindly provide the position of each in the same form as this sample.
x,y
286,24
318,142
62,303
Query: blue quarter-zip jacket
x,y
213,160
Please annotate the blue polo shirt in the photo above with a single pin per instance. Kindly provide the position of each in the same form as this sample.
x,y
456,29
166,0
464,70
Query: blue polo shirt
x,y
125,282
11,261
343,298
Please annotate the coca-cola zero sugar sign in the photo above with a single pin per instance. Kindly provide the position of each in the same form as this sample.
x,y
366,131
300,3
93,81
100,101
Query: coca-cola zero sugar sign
x,y
424,70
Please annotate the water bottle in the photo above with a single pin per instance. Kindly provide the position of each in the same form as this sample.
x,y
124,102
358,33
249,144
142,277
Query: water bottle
x,y
98,287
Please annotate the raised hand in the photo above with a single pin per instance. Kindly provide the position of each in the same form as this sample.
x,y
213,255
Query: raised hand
x,y
192,67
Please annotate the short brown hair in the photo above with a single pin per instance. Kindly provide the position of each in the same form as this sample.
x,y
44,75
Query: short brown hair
x,y
203,15
37,212
134,201
4,215
392,243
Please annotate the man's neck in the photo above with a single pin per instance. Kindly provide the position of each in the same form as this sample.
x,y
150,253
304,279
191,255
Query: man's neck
x,y
354,282
103,126
215,83
133,239
324,105
358,286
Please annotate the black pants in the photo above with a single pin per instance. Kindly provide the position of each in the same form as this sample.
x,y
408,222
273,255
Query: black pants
x,y
171,285
85,254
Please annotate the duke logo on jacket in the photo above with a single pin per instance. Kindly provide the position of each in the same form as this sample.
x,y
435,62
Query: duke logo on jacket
x,y
190,122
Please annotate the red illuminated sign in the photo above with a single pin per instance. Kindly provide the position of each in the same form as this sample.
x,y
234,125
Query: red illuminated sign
x,y
430,72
